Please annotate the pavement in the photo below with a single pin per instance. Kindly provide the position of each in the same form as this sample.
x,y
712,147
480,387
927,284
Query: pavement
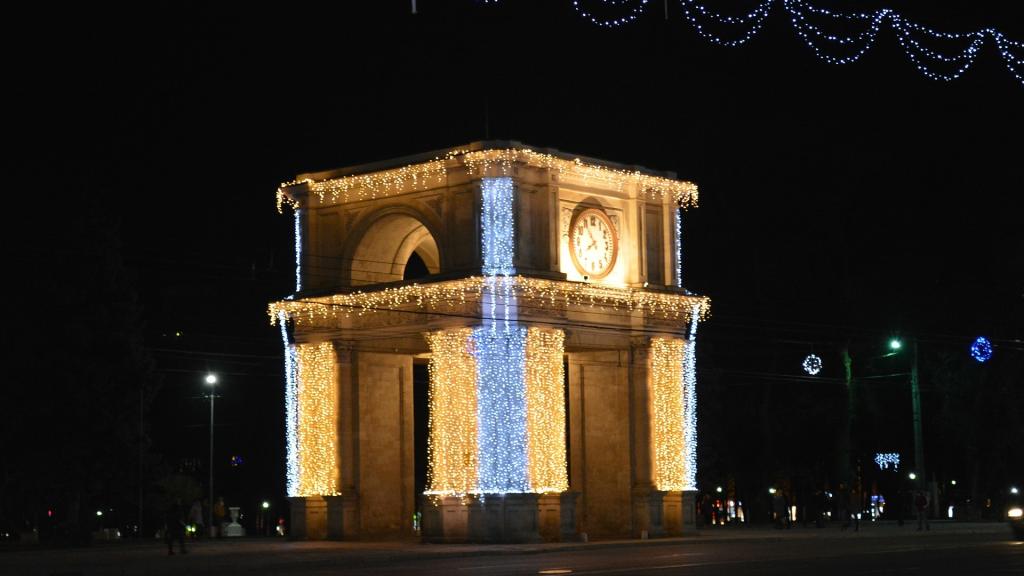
x,y
279,555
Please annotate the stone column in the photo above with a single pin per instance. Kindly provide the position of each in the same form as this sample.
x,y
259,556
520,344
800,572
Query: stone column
x,y
570,519
382,442
647,500
342,517
343,511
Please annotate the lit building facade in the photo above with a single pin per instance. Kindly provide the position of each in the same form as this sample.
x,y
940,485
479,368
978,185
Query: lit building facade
x,y
557,334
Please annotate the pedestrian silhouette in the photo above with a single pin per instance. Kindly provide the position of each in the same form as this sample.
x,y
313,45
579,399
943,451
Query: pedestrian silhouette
x,y
174,527
195,517
921,505
218,516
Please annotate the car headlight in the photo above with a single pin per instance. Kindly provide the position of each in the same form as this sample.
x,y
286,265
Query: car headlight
x,y
1015,512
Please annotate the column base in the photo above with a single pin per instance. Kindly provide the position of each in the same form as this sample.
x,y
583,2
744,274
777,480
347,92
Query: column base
x,y
342,517
689,524
672,513
648,513
493,518
309,518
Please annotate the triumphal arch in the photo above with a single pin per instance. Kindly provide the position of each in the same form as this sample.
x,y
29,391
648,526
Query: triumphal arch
x,y
548,318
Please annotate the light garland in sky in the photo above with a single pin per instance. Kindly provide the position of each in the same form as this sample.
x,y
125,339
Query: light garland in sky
x,y
529,293
495,162
452,437
930,62
636,10
667,413
317,421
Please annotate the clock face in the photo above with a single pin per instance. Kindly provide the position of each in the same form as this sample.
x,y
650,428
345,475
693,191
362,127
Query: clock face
x,y
592,243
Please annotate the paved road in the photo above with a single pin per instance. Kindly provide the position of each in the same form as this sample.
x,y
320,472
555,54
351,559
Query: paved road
x,y
954,549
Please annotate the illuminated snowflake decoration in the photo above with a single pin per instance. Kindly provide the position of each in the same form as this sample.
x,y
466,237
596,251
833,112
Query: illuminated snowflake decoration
x,y
981,349
812,364
884,459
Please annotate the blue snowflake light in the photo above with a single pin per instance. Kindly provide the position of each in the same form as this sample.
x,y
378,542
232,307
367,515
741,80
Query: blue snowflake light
x,y
981,349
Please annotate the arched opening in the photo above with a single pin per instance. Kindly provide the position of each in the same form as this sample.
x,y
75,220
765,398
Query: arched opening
x,y
415,268
396,247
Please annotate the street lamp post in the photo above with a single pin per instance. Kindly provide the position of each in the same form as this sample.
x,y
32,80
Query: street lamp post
x,y
211,381
915,397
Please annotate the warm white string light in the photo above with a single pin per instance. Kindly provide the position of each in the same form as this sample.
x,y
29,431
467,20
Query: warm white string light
x,y
452,400
545,405
298,250
317,420
679,246
526,294
668,413
494,162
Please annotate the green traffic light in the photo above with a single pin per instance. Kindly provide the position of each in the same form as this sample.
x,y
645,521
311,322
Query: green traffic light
x,y
895,344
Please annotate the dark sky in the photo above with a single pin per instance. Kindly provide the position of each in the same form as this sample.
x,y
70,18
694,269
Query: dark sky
x,y
836,201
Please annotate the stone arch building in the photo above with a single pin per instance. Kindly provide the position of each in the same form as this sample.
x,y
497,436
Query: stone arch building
x,y
558,337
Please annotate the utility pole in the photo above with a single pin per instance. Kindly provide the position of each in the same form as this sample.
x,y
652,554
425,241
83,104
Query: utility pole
x,y
915,396
141,432
846,443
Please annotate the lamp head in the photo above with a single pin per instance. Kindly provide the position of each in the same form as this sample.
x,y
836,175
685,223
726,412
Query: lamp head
x,y
211,379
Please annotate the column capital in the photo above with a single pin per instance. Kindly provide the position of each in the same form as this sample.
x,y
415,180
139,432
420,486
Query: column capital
x,y
639,343
343,350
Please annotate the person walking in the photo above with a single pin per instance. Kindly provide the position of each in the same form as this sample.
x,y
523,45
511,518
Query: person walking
x,y
921,505
195,518
843,503
856,506
218,516
778,509
174,527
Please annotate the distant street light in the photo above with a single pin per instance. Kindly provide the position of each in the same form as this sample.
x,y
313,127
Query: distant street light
x,y
912,476
211,381
895,344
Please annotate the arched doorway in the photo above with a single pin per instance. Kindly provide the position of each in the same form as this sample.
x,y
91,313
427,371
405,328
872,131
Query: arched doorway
x,y
386,248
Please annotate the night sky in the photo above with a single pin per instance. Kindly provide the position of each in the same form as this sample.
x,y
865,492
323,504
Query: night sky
x,y
838,204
